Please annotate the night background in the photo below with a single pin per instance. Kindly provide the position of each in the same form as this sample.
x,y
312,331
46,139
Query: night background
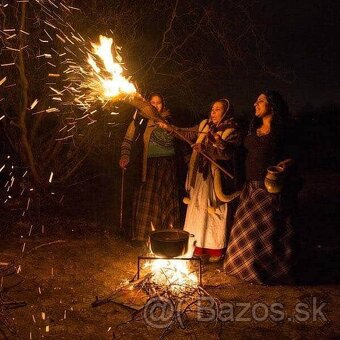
x,y
60,202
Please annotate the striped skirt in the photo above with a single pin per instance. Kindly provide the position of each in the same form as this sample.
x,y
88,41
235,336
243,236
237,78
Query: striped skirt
x,y
262,243
157,200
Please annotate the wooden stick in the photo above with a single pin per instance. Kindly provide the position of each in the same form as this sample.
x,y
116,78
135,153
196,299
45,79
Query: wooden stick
x,y
121,201
149,112
46,244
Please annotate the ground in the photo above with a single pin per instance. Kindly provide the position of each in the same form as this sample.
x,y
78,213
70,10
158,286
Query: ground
x,y
66,261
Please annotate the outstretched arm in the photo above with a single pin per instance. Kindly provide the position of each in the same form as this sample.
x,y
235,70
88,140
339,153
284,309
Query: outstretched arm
x,y
186,134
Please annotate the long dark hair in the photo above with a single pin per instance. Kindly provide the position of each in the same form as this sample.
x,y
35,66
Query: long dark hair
x,y
280,114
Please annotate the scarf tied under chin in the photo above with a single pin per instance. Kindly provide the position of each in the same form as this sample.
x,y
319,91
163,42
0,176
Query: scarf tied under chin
x,y
209,144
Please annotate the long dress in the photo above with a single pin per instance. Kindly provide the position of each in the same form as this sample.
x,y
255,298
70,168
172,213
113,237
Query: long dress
x,y
156,204
156,199
207,215
262,241
208,227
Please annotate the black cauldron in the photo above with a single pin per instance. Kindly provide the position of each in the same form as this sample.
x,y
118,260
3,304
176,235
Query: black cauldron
x,y
169,242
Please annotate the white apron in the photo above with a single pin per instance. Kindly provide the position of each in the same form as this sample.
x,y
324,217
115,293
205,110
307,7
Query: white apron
x,y
209,228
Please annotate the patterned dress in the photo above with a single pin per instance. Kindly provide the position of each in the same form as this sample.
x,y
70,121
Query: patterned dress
x,y
156,200
262,241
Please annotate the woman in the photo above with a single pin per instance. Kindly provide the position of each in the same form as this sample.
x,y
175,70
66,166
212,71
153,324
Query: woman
x,y
208,210
156,201
261,245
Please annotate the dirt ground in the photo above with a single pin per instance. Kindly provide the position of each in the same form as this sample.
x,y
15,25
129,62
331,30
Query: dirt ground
x,y
65,262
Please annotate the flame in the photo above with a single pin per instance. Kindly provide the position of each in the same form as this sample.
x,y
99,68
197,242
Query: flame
x,y
115,83
173,273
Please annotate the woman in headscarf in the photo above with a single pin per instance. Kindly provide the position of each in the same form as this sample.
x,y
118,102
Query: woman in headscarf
x,y
262,242
156,202
209,189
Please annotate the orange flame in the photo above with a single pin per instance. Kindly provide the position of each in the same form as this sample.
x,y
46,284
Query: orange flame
x,y
173,273
115,84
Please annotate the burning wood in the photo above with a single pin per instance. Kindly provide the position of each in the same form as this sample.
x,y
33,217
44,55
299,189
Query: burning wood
x,y
175,278
164,294
109,81
109,84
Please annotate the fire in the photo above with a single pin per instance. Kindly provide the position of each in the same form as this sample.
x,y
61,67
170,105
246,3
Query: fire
x,y
173,273
110,81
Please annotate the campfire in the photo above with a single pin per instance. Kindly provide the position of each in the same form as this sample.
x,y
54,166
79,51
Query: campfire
x,y
170,267
175,273
159,274
177,279
166,291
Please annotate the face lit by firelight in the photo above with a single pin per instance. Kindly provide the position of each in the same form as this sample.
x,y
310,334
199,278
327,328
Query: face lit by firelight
x,y
262,107
157,102
217,112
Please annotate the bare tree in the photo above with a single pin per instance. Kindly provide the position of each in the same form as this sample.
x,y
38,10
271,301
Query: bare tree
x,y
34,121
186,49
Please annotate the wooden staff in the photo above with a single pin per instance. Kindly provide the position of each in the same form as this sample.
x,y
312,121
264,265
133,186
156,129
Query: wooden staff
x,y
121,201
149,112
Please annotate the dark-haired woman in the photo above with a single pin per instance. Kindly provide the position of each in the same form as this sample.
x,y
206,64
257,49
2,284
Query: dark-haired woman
x,y
261,245
210,190
156,202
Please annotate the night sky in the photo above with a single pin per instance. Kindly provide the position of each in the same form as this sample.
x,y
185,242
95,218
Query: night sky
x,y
304,37
301,48
301,38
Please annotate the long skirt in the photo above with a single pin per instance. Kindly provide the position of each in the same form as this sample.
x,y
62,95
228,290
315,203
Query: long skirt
x,y
157,201
208,226
262,243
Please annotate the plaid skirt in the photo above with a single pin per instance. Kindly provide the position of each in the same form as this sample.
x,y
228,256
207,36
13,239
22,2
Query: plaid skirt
x,y
262,243
157,200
